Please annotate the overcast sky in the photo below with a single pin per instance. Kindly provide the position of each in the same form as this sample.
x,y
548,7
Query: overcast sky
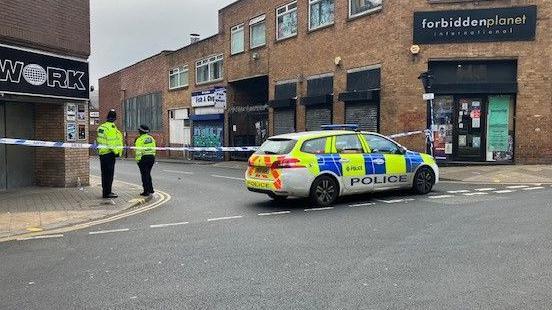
x,y
126,31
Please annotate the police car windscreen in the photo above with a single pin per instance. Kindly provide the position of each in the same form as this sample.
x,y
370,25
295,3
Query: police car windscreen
x,y
276,147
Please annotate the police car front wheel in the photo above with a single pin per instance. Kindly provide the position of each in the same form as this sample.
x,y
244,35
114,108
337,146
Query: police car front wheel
x,y
424,180
324,191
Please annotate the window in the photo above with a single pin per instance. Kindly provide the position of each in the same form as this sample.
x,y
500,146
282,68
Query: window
x,y
209,69
380,144
361,7
315,146
348,144
286,21
144,110
178,77
237,38
321,13
276,147
257,32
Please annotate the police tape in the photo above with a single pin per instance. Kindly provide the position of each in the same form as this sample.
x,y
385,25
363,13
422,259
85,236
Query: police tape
x,y
72,145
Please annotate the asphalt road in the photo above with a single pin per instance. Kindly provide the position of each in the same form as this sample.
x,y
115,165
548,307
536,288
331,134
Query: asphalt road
x,y
217,246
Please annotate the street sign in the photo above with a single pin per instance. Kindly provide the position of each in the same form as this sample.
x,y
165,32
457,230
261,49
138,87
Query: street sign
x,y
429,96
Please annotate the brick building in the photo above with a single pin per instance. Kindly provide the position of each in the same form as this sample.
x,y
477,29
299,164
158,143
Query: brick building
x,y
44,49
279,66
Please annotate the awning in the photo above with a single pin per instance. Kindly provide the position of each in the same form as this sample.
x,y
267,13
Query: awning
x,y
282,103
317,100
208,117
362,95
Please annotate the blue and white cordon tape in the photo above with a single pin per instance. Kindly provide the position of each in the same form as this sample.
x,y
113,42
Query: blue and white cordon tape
x,y
70,145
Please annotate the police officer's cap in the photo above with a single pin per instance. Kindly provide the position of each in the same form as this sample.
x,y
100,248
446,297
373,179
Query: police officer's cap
x,y
111,115
144,129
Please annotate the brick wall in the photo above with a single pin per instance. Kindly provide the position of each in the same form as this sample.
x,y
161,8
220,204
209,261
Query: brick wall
x,y
51,25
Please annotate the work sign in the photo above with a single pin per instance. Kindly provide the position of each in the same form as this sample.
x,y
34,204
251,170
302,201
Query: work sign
x,y
25,72
481,25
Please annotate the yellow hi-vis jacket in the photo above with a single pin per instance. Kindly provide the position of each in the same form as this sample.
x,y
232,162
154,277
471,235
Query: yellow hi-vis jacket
x,y
145,146
110,136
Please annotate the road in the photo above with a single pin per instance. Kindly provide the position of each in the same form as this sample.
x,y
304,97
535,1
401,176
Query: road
x,y
217,246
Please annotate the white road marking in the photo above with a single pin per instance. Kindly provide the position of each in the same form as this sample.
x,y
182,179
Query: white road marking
x,y
40,237
224,218
274,213
226,177
101,232
168,225
362,205
488,189
476,194
517,186
505,191
319,209
440,196
179,172
395,200
461,191
533,188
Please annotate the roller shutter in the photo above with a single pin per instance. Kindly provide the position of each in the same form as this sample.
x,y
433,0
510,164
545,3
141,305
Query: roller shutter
x,y
363,114
284,121
318,116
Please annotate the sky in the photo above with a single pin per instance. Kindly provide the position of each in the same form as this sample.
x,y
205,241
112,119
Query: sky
x,y
123,32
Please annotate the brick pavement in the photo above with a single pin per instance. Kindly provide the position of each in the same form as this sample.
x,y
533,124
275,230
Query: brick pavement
x,y
37,209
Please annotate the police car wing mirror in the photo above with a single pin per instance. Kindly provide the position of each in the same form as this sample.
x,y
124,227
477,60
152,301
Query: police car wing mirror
x,y
402,149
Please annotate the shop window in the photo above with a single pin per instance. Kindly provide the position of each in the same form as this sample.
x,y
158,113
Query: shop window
x,y
382,145
363,7
286,21
178,77
318,86
348,144
237,38
285,91
442,126
145,110
367,79
257,32
321,13
209,69
315,146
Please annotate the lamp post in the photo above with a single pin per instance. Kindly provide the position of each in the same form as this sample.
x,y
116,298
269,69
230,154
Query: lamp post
x,y
124,120
427,80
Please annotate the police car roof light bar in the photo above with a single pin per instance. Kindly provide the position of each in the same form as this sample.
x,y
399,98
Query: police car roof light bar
x,y
352,127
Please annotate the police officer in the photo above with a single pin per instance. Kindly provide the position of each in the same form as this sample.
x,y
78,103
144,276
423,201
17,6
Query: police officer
x,y
112,141
145,157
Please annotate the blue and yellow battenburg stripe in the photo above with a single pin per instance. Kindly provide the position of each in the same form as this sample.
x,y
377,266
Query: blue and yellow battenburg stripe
x,y
372,164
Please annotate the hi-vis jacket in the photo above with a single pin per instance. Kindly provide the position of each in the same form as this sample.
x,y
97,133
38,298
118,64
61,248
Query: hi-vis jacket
x,y
145,146
110,136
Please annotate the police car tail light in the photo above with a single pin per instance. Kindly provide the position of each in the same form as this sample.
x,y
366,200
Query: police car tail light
x,y
287,163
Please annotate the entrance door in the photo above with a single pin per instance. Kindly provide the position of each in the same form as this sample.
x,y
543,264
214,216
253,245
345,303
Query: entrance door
x,y
469,139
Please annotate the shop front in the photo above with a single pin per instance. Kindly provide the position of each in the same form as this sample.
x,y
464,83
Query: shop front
x,y
208,122
474,110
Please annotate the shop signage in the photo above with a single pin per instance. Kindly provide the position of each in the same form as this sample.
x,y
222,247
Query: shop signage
x,y
481,25
214,97
25,72
428,96
248,108
94,114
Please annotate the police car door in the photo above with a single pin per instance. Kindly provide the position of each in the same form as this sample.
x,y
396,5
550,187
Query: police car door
x,y
353,169
387,163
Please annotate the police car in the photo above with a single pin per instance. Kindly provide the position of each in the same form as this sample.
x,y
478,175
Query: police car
x,y
337,161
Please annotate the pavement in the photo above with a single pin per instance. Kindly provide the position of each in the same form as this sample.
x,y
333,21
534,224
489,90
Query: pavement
x,y
215,245
38,211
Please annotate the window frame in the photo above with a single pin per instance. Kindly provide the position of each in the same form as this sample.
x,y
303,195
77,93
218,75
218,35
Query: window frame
x,y
311,2
233,30
367,12
209,62
183,69
261,19
288,11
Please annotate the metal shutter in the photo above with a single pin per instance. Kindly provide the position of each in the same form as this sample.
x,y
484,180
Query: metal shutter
x,y
284,121
318,116
363,114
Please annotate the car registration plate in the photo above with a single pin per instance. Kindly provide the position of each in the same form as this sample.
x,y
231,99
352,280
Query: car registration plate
x,y
262,170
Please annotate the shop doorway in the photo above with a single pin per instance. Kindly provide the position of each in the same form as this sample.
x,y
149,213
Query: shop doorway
x,y
469,137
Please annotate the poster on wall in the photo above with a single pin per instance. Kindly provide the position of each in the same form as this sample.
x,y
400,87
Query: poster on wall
x,y
71,109
442,129
82,132
499,141
71,132
81,113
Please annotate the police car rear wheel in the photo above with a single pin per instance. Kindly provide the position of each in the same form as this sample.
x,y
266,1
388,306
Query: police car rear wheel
x,y
324,191
424,180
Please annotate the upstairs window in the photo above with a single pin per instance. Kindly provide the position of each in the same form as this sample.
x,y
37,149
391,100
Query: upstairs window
x,y
237,38
361,7
321,13
286,21
209,69
178,77
257,32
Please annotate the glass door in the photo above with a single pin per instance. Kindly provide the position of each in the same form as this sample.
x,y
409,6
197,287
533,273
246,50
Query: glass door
x,y
469,138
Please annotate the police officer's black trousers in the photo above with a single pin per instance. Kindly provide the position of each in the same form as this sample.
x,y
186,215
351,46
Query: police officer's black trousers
x,y
107,165
145,165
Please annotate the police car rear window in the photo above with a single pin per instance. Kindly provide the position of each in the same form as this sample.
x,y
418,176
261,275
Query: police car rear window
x,y
276,147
